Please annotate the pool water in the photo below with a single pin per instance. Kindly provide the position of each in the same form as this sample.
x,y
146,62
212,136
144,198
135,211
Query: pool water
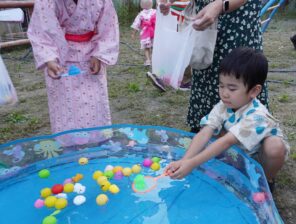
x,y
210,194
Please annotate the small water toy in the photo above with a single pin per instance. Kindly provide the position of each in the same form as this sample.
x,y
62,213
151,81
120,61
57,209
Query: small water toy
x,y
68,180
77,177
105,185
145,184
45,192
79,200
117,168
109,174
108,167
156,159
136,168
83,161
114,189
97,174
118,175
49,220
147,162
44,173
79,188
68,188
155,166
259,197
102,199
62,195
39,203
61,203
101,180
72,71
50,201
57,188
127,171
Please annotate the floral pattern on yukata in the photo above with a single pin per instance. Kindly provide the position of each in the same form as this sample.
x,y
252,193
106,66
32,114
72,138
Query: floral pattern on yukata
x,y
238,28
250,124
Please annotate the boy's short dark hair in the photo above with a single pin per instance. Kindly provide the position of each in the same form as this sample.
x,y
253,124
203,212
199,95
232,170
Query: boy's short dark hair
x,y
247,64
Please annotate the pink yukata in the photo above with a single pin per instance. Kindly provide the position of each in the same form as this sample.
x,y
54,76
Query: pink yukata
x,y
80,101
145,23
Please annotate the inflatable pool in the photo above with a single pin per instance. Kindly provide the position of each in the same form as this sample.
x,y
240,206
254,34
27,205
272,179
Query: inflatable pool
x,y
58,179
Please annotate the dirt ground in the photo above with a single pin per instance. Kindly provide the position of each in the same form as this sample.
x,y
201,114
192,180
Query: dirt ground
x,y
135,100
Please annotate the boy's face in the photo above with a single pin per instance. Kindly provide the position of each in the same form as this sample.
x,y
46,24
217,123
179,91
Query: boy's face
x,y
234,93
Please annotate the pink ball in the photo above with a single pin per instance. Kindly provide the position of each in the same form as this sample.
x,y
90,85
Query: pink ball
x,y
259,197
39,203
147,162
118,175
69,180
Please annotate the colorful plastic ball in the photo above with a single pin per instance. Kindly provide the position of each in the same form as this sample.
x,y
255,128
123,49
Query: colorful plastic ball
x,y
49,220
39,203
117,168
102,199
79,200
101,179
57,188
50,201
97,174
114,189
67,181
147,162
155,166
156,159
61,203
68,188
136,168
127,171
259,197
44,173
45,192
105,185
109,174
108,167
118,175
83,161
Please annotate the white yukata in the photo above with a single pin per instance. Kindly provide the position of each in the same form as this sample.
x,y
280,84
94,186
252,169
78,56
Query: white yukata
x,y
250,124
80,101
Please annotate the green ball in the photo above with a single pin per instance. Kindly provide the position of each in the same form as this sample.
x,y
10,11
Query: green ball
x,y
109,174
156,159
49,220
44,173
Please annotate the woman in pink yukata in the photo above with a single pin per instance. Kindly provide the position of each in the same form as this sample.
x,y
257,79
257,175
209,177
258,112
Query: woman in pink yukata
x,y
83,33
145,23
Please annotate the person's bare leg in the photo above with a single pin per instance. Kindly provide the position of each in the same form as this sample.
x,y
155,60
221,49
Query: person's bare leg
x,y
272,156
147,56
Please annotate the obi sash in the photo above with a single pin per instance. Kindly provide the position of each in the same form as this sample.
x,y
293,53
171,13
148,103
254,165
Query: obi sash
x,y
80,37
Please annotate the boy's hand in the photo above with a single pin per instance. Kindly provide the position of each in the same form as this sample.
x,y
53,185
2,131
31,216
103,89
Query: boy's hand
x,y
95,65
179,169
54,69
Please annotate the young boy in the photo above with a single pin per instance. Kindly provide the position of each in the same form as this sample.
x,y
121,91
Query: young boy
x,y
239,118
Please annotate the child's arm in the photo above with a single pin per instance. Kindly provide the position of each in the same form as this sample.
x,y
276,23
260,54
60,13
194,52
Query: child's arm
x,y
185,166
134,32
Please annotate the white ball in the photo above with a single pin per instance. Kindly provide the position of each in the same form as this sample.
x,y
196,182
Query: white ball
x,y
79,200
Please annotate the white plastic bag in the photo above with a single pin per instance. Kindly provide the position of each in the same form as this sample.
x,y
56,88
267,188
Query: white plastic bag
x,y
7,91
172,50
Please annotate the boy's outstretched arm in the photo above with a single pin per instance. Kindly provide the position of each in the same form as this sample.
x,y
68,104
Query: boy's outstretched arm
x,y
185,166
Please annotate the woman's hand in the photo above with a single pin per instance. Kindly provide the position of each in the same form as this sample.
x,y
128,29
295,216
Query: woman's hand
x,y
54,69
179,169
207,15
95,65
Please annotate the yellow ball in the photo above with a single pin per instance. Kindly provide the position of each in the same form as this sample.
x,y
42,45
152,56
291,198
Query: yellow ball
x,y
136,169
97,174
68,188
102,199
101,179
155,166
127,171
105,185
61,203
50,201
83,161
117,168
114,189
45,192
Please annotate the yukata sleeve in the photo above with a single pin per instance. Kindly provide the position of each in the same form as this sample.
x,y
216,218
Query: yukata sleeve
x,y
106,39
253,128
137,23
45,34
214,119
